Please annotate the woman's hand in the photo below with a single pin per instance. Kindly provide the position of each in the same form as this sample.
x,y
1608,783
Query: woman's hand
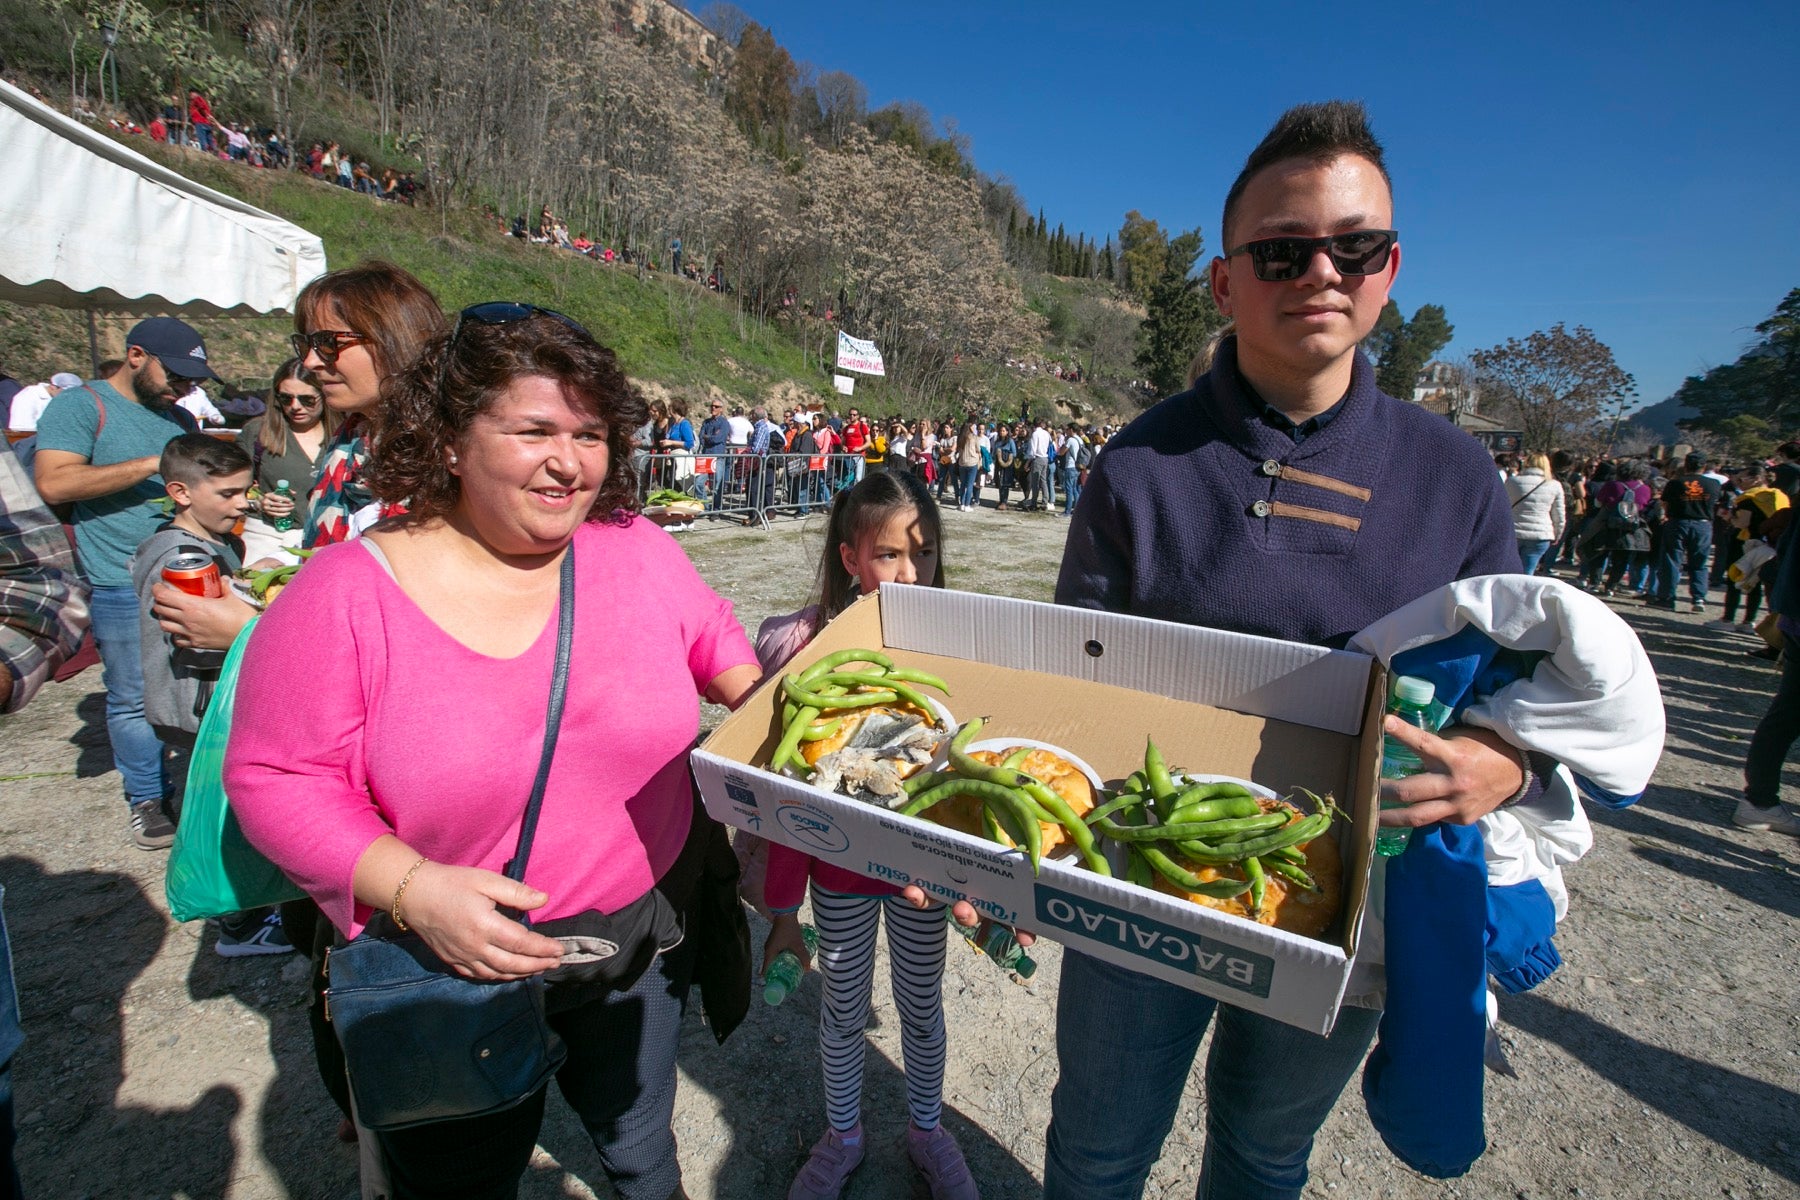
x,y
454,909
962,910
1469,773
275,505
199,622
784,934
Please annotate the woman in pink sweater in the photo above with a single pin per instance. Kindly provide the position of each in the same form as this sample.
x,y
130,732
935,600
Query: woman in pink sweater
x,y
390,716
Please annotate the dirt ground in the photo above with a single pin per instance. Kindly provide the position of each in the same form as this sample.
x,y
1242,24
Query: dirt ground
x,y
1662,1060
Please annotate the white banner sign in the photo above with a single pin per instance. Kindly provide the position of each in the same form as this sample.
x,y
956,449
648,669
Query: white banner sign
x,y
854,354
844,384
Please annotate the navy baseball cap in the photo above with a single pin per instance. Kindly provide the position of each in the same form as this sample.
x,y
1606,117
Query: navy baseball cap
x,y
175,344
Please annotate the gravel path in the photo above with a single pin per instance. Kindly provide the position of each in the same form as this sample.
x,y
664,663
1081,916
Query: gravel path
x,y
1662,1060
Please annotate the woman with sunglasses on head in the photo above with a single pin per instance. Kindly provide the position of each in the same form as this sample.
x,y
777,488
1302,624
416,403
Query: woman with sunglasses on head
x,y
286,443
400,787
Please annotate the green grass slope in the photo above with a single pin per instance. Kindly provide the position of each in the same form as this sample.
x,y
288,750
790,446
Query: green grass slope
x,y
665,331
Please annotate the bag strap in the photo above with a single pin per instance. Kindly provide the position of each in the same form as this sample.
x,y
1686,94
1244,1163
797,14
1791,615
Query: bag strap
x,y
1529,494
559,687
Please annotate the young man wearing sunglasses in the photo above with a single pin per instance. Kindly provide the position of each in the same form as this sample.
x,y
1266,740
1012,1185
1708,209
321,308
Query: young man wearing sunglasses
x,y
1310,504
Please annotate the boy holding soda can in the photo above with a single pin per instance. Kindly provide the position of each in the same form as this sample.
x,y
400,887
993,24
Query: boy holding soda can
x,y
208,483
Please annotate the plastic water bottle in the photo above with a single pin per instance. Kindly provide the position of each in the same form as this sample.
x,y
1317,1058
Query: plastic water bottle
x,y
283,524
998,943
1411,702
783,975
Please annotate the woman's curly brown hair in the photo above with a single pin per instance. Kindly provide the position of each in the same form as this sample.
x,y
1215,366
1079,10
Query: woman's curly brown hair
x,y
423,422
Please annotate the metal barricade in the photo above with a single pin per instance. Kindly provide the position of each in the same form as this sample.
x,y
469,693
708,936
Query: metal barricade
x,y
746,487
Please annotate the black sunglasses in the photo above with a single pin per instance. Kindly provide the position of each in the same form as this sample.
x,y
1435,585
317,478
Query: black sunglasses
x,y
498,312
326,343
1279,259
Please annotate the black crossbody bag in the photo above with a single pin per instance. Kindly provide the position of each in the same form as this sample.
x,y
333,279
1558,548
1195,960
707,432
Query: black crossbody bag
x,y
423,1043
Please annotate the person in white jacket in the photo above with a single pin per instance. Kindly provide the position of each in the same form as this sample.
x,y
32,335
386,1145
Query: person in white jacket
x,y
1539,511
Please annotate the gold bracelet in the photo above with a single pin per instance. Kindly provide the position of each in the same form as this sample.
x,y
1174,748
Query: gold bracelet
x,y
400,891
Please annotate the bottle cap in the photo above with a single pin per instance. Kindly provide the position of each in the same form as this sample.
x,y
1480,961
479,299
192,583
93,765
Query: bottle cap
x,y
280,483
1410,689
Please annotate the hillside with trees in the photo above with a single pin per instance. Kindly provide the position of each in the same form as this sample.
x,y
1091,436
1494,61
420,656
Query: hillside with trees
x,y
636,125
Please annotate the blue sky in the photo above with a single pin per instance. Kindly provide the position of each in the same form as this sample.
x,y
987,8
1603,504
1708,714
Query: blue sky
x,y
1632,168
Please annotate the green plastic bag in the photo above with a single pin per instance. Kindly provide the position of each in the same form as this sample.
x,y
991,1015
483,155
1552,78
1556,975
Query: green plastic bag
x,y
213,870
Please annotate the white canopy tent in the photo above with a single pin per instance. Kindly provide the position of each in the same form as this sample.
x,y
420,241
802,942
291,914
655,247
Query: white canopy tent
x,y
86,223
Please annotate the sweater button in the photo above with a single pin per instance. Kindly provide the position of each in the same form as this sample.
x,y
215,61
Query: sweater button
x,y
1271,468
1262,508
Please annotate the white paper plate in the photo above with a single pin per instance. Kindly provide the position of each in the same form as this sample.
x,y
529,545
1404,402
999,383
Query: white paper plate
x,y
999,744
945,721
1066,851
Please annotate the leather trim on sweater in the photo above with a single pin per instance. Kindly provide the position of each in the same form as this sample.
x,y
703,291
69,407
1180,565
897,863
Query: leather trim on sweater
x,y
1296,475
1281,508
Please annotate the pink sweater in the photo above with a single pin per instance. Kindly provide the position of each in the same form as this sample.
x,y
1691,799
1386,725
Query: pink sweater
x,y
357,716
778,640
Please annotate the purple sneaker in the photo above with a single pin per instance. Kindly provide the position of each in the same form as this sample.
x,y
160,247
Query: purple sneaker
x,y
940,1161
834,1156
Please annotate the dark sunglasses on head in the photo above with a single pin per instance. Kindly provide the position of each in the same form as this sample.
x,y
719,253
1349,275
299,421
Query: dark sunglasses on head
x,y
326,343
507,312
1279,259
498,312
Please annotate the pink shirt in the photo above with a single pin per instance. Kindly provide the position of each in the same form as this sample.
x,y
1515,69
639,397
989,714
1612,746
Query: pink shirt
x,y
356,716
784,886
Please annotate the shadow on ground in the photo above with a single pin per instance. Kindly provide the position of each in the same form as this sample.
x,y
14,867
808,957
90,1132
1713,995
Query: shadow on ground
x,y
1746,1116
67,1077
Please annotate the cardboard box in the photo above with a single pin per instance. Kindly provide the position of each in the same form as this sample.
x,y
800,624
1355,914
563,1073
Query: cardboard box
x,y
1097,684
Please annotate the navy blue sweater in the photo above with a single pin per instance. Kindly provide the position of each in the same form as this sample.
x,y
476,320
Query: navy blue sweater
x,y
1201,512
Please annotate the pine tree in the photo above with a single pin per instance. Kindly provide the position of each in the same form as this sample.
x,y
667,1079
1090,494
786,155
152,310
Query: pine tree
x,y
1181,316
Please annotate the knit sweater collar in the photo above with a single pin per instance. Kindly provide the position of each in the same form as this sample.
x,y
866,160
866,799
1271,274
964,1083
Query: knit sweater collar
x,y
1239,414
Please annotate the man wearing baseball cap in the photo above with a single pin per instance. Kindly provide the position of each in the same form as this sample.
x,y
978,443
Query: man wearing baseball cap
x,y
98,448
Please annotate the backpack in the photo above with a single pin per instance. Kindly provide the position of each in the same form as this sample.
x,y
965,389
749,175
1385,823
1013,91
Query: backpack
x,y
1084,455
1623,516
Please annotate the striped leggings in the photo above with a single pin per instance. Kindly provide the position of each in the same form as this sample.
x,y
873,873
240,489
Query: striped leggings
x,y
846,961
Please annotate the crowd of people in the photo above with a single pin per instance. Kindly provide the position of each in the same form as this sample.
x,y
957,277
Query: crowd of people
x,y
745,463
471,485
198,128
1699,533
1646,529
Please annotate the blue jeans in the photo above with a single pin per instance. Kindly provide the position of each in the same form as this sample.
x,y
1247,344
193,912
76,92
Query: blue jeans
x,y
1686,546
1125,1044
136,751
965,492
1531,552
1068,478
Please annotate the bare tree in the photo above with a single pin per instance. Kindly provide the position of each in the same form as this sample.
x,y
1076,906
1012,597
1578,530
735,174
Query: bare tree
x,y
284,34
1557,384
843,103
727,20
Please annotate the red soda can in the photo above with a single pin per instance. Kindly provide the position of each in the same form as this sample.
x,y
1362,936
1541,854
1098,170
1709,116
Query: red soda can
x,y
195,574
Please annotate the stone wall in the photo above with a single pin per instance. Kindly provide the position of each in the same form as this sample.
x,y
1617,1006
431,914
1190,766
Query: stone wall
x,y
680,30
